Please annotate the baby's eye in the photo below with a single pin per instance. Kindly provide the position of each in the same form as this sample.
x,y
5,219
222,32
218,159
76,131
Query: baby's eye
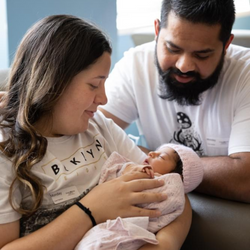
x,y
163,156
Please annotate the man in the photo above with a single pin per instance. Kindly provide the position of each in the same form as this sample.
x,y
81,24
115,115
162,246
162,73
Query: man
x,y
191,87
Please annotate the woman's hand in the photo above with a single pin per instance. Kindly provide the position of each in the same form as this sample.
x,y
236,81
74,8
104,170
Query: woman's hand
x,y
119,197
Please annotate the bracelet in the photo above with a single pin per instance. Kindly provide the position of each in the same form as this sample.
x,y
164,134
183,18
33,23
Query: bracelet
x,y
87,211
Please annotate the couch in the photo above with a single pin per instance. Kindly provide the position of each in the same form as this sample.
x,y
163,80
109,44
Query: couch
x,y
217,224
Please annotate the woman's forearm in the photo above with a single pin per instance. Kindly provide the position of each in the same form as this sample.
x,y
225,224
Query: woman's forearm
x,y
173,236
106,201
62,233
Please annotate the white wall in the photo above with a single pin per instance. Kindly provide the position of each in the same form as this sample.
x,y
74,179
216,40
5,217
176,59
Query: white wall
x,y
21,14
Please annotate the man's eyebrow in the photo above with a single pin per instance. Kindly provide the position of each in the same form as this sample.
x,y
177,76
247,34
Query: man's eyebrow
x,y
204,51
173,45
100,77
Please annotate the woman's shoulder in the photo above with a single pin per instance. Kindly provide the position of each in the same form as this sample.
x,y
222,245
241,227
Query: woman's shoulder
x,y
101,121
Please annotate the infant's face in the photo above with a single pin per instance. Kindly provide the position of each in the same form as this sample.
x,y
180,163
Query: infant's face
x,y
163,160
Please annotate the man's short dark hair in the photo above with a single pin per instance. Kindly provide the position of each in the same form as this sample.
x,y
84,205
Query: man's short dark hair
x,y
210,12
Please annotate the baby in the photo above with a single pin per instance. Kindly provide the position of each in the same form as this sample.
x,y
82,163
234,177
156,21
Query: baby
x,y
182,171
163,161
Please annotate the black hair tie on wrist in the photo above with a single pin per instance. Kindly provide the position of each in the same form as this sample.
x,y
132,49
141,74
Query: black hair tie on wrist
x,y
87,211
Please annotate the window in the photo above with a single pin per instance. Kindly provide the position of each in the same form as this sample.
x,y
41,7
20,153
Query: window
x,y
136,16
242,7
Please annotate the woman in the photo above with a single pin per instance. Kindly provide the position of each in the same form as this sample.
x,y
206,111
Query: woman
x,y
54,142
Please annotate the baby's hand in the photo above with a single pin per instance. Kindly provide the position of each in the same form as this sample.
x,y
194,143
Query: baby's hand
x,y
132,168
148,170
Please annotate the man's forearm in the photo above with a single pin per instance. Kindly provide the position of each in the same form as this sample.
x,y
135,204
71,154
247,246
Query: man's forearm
x,y
227,177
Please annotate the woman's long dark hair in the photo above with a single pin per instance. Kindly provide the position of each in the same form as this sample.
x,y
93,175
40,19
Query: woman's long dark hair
x,y
51,53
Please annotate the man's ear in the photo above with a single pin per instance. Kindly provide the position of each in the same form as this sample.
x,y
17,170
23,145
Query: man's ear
x,y
229,41
157,24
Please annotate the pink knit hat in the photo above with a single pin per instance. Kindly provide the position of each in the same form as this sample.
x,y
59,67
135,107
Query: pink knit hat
x,y
192,166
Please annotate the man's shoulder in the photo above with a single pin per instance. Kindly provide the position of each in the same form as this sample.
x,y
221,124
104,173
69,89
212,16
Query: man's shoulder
x,y
236,52
143,50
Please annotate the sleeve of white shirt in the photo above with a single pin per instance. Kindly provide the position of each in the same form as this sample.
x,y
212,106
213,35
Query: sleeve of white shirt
x,y
7,213
240,132
119,90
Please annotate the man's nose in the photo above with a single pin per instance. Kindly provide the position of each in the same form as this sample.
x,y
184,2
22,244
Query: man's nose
x,y
185,63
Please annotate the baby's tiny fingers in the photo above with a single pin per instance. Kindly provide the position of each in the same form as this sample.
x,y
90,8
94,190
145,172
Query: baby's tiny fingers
x,y
151,173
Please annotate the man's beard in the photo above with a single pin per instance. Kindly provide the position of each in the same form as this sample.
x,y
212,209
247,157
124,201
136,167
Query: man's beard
x,y
186,93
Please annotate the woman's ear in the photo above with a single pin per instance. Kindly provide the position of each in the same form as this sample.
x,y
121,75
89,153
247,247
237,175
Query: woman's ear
x,y
157,24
